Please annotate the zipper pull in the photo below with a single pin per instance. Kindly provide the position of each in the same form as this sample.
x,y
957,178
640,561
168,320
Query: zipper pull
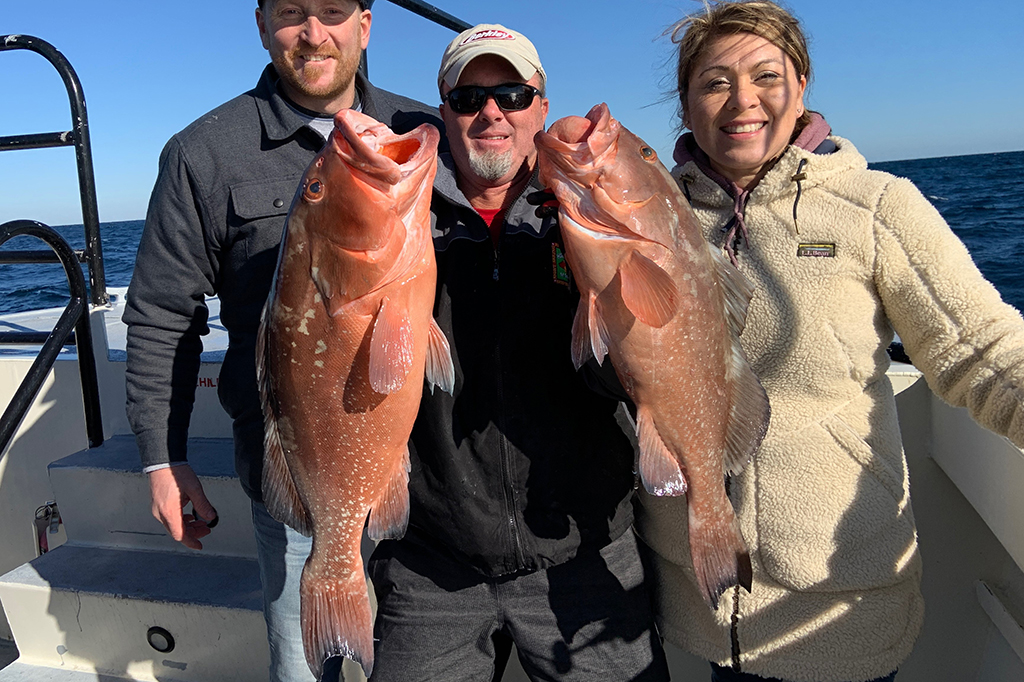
x,y
494,276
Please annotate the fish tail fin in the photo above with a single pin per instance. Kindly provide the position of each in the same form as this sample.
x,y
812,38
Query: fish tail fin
x,y
336,619
389,515
440,370
280,494
659,469
720,556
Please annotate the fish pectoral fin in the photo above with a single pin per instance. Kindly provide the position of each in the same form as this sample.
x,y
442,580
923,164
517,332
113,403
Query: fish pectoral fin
x,y
648,291
336,618
440,370
389,516
280,494
659,469
391,348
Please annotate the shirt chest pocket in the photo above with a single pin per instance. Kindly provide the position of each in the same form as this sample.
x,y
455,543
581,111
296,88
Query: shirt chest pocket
x,y
257,214
259,209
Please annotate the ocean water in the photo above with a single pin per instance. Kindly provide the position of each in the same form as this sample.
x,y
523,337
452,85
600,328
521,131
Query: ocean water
x,y
980,196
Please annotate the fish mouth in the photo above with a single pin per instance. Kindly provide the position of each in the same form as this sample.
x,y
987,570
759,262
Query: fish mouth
x,y
384,158
577,162
578,145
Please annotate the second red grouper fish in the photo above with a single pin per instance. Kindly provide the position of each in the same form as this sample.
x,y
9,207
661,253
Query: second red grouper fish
x,y
668,310
346,341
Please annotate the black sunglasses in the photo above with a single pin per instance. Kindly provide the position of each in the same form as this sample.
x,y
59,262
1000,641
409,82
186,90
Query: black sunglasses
x,y
469,99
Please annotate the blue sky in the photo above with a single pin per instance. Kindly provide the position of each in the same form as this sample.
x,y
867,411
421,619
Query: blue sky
x,y
901,78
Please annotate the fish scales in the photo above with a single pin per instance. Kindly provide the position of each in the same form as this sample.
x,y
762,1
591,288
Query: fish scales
x,y
667,310
346,341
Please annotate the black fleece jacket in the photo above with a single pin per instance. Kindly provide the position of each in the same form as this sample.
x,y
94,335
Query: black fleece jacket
x,y
525,464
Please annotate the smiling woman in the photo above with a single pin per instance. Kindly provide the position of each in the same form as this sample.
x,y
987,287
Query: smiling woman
x,y
839,257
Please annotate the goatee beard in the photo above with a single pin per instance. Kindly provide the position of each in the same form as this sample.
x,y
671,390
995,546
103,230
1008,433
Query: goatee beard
x,y
490,166
344,73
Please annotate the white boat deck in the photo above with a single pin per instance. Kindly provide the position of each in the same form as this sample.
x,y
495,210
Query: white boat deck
x,y
44,321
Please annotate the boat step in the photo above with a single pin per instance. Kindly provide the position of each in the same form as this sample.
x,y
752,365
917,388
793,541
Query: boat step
x,y
104,498
94,610
23,672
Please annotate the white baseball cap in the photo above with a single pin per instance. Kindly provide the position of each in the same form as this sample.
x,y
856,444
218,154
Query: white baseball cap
x,y
512,46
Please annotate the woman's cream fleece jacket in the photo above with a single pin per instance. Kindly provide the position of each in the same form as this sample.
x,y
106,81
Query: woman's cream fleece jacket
x,y
824,505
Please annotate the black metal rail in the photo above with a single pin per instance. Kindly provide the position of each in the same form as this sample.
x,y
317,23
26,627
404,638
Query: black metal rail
x,y
432,13
73,327
425,10
74,319
77,137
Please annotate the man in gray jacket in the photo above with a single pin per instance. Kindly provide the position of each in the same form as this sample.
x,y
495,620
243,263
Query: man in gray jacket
x,y
213,227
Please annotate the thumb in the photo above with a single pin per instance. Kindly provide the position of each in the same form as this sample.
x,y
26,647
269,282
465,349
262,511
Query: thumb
x,y
201,507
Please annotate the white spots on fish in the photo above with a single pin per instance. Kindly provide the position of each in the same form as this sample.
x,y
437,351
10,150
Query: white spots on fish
x,y
317,298
320,348
303,329
319,363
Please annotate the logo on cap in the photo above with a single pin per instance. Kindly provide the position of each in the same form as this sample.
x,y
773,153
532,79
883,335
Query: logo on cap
x,y
492,34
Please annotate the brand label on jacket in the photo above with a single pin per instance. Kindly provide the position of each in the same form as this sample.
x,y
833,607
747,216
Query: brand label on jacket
x,y
559,268
816,251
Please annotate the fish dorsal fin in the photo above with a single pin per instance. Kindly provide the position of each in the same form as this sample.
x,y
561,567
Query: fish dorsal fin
x,y
749,415
750,412
659,469
390,348
280,494
389,515
738,291
440,370
581,346
647,290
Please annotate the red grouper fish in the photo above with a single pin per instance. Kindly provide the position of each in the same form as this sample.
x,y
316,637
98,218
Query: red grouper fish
x,y
346,340
668,310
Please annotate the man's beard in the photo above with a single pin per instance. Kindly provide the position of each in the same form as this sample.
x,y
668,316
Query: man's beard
x,y
490,166
344,72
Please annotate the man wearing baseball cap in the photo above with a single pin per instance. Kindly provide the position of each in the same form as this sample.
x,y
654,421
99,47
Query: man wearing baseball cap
x,y
519,528
214,224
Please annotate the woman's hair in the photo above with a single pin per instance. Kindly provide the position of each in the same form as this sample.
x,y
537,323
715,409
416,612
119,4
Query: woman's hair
x,y
695,33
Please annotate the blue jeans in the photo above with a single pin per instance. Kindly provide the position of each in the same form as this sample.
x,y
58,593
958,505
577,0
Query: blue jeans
x,y
588,619
282,553
720,674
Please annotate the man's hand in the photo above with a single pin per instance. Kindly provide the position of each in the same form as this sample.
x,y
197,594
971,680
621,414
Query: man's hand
x,y
546,203
172,489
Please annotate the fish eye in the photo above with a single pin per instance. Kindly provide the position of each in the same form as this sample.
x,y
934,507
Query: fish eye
x,y
648,153
314,190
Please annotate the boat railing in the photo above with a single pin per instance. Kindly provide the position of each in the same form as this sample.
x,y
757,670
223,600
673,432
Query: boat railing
x,y
77,137
73,326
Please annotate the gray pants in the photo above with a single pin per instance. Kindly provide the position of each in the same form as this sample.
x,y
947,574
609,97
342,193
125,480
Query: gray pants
x,y
587,619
